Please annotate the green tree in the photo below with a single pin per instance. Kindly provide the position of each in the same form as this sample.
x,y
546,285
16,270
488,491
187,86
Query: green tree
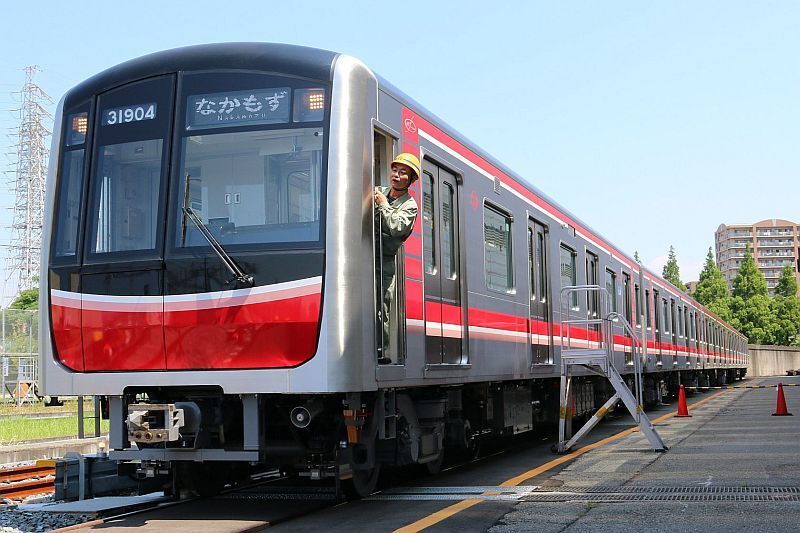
x,y
27,299
749,282
786,314
787,284
712,287
672,271
636,256
755,318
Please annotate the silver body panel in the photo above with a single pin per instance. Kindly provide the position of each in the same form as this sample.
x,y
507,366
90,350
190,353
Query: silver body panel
x,y
345,358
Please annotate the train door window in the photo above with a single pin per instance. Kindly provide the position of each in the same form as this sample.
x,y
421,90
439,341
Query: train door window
x,y
569,275
383,148
611,287
443,310
659,325
448,234
429,225
674,320
647,308
124,206
539,323
626,312
638,302
127,182
497,250
657,315
685,327
592,300
626,296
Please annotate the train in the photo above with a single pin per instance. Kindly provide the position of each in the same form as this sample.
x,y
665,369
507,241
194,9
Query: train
x,y
209,269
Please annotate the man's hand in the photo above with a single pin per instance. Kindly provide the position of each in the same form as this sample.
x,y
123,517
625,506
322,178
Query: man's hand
x,y
380,199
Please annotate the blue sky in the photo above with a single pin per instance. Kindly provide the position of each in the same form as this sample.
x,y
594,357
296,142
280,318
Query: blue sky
x,y
652,122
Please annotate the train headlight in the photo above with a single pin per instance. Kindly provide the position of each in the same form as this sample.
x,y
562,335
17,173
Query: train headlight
x,y
78,125
309,105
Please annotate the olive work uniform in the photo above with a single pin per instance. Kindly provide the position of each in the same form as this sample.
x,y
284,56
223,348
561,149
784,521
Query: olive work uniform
x,y
396,220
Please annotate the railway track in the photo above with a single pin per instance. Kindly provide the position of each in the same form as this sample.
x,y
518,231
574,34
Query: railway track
x,y
22,481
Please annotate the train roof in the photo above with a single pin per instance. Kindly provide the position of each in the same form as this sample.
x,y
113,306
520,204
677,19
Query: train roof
x,y
301,60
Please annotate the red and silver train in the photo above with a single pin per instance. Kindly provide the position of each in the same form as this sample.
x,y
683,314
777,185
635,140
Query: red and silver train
x,y
210,269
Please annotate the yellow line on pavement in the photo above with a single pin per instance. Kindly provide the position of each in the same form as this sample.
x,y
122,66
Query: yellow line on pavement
x,y
456,508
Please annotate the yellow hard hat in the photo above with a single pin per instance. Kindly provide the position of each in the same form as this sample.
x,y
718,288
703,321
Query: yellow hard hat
x,y
410,160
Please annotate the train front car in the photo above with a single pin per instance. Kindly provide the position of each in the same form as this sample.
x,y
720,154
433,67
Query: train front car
x,y
207,213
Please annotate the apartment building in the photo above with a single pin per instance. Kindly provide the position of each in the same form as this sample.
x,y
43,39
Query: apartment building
x,y
773,243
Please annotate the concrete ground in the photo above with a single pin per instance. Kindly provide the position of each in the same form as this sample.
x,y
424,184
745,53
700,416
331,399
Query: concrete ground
x,y
731,467
51,449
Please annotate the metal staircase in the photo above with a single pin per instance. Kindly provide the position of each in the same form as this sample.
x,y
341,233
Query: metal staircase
x,y
587,340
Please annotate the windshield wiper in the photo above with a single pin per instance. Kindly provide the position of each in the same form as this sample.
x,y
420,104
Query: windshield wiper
x,y
238,274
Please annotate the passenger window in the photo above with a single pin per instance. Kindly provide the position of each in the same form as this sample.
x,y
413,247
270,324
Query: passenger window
x,y
497,247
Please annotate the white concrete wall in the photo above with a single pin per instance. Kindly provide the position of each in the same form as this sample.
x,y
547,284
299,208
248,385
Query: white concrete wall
x,y
772,360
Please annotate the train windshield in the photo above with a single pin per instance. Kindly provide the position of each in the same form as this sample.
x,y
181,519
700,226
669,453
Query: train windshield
x,y
251,187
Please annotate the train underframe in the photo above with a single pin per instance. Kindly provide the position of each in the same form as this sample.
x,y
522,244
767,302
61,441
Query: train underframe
x,y
198,440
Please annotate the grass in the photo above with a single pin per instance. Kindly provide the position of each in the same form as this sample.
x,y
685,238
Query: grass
x,y
70,406
19,425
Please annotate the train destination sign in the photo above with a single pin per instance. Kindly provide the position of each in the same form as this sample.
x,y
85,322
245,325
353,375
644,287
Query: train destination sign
x,y
235,108
127,114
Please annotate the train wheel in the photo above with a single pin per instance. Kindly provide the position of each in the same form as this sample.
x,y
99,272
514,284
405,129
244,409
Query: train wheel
x,y
197,479
473,449
363,482
434,467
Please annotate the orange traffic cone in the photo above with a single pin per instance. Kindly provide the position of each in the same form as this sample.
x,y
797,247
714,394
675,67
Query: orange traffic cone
x,y
683,410
780,410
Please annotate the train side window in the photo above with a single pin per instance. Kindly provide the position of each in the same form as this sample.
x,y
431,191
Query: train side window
x,y
497,250
69,203
647,308
569,275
